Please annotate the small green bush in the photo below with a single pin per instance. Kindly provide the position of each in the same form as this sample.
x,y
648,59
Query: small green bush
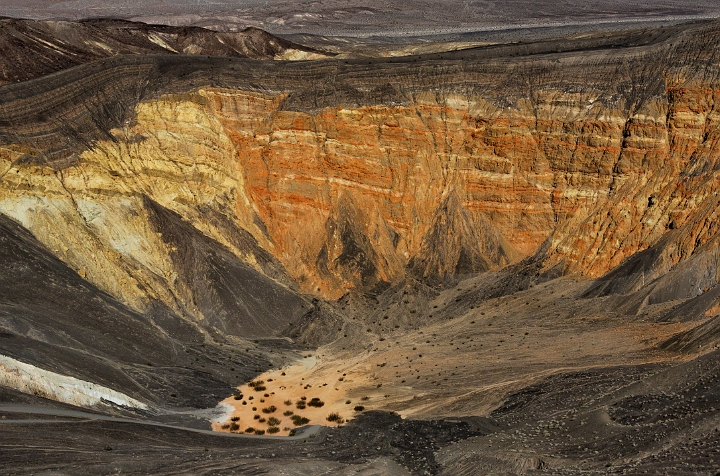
x,y
270,409
273,429
359,408
272,421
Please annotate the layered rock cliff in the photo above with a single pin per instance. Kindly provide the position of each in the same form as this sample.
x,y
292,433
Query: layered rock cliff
x,y
336,176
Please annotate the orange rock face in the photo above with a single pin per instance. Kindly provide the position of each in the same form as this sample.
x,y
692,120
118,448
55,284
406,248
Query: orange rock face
x,y
355,197
522,175
601,185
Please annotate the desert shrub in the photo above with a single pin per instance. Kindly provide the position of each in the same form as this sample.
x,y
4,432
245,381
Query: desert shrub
x,y
335,417
234,426
226,426
272,421
273,429
300,405
262,420
259,432
249,430
288,402
270,409
238,397
359,408
256,417
299,421
235,418
316,402
257,385
293,432
288,412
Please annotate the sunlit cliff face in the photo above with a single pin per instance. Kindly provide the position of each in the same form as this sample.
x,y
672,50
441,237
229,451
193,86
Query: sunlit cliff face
x,y
350,198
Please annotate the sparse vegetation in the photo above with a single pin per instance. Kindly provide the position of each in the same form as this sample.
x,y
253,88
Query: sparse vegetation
x,y
234,426
258,385
259,432
270,409
273,429
316,402
287,412
272,421
249,430
235,418
288,402
359,408
335,417
299,421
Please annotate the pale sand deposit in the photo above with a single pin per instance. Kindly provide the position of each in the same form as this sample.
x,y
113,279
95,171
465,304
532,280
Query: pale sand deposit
x,y
341,387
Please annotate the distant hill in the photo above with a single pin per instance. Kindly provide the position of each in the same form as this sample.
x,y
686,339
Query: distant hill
x,y
30,48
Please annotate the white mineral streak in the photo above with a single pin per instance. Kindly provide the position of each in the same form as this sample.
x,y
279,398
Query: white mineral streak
x,y
30,379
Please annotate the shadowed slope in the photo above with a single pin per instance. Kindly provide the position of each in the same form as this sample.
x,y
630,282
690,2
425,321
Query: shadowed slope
x,y
456,246
234,298
52,318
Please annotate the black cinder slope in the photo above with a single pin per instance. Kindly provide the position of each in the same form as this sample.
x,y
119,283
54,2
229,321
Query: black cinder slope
x,y
234,298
